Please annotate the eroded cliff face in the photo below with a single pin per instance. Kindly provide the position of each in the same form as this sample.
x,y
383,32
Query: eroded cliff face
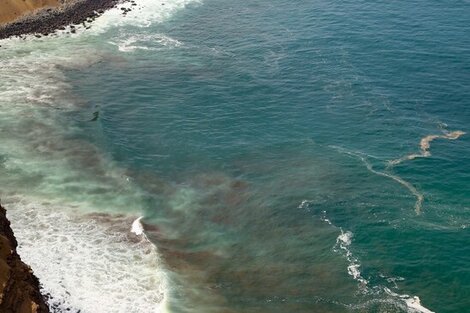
x,y
19,288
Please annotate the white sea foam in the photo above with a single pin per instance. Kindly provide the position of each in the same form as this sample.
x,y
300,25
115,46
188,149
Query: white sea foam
x,y
137,227
344,239
304,205
133,42
343,242
143,14
86,263
325,219
413,303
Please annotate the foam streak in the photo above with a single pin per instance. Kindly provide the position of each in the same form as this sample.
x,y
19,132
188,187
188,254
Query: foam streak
x,y
425,145
343,242
419,196
413,303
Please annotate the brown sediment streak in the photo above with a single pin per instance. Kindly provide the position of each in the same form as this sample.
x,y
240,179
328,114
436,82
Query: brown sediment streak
x,y
425,145
419,196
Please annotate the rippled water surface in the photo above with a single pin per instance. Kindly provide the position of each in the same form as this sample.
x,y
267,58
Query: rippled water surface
x,y
285,157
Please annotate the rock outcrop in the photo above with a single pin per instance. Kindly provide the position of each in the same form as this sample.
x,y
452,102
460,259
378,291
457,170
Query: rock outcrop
x,y
51,18
19,288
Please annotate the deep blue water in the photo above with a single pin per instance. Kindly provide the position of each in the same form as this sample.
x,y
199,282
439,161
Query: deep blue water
x,y
260,137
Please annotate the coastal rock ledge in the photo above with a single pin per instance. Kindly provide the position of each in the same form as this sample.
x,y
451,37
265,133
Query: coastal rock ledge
x,y
19,288
43,17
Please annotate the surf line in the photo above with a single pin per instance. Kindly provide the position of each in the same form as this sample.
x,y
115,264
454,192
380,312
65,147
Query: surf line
x,y
343,243
419,196
425,145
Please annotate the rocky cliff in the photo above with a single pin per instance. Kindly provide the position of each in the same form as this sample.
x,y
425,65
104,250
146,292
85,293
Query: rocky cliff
x,y
19,288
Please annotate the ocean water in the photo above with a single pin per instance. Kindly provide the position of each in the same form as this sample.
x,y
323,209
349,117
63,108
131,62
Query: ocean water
x,y
261,156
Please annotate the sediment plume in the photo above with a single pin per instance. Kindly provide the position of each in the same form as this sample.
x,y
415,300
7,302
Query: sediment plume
x,y
419,196
19,288
425,145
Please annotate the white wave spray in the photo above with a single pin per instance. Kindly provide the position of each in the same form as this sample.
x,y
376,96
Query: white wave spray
x,y
55,187
344,240
88,263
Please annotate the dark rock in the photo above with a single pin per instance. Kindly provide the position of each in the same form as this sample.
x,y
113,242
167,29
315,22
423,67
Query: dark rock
x,y
19,288
47,21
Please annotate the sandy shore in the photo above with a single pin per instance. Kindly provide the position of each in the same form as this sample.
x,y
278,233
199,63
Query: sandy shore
x,y
42,17
11,10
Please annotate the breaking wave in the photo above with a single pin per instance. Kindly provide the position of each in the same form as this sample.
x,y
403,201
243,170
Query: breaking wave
x,y
72,209
88,263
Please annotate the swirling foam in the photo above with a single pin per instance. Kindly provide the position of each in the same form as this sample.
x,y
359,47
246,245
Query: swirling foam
x,y
413,303
419,196
143,14
87,263
130,43
343,242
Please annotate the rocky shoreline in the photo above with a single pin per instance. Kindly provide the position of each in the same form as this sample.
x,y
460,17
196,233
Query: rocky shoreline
x,y
19,288
49,20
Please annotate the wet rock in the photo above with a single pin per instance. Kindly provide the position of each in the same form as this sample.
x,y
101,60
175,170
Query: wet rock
x,y
47,21
19,288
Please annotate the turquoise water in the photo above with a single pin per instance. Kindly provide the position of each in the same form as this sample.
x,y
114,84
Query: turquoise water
x,y
279,154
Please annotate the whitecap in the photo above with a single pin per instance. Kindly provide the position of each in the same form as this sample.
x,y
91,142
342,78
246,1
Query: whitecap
x,y
343,242
137,227
413,303
133,42
143,14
